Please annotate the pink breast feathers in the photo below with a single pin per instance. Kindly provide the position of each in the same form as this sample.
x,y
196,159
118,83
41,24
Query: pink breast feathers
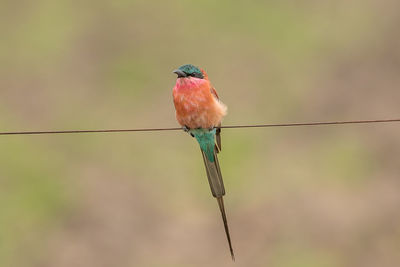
x,y
195,106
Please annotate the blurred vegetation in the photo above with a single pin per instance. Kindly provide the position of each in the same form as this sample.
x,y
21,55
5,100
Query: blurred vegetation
x,y
323,196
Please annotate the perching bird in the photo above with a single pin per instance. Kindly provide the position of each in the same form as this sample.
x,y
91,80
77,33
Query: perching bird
x,y
199,111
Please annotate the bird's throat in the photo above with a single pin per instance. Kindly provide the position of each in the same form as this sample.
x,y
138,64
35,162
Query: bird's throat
x,y
189,83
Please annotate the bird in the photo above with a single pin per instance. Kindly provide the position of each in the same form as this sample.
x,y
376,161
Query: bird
x,y
200,111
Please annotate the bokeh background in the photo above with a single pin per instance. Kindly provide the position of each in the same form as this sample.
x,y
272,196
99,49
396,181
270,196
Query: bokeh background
x,y
310,196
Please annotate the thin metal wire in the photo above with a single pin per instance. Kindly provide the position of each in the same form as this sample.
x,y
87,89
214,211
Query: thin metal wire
x,y
225,127
90,131
319,123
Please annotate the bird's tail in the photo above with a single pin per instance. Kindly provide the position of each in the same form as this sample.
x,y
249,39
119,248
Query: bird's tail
x,y
214,175
206,139
222,209
218,191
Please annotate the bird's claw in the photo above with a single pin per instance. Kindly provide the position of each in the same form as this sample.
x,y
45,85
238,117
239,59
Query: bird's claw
x,y
187,129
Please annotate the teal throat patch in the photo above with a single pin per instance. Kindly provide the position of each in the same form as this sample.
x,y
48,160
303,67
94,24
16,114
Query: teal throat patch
x,y
206,139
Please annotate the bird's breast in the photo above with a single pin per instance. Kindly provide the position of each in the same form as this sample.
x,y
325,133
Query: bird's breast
x,y
195,106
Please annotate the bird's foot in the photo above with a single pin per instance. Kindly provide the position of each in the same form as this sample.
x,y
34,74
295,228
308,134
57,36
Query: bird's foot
x,y
187,129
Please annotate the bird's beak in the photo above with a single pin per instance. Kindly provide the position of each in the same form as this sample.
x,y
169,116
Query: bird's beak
x,y
180,73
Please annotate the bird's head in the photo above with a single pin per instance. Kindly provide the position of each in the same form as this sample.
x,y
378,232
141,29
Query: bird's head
x,y
189,70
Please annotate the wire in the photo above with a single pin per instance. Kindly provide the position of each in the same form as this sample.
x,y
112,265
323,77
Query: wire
x,y
91,131
312,123
224,127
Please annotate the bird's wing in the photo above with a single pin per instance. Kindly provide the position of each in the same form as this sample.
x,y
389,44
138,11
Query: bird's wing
x,y
214,93
218,133
218,138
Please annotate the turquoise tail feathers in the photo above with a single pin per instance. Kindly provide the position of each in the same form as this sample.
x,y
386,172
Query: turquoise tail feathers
x,y
206,139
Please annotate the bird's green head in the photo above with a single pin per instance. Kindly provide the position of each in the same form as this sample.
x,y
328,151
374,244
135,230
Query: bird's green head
x,y
189,70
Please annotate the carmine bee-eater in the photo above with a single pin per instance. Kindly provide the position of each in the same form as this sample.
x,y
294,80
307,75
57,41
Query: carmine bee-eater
x,y
199,111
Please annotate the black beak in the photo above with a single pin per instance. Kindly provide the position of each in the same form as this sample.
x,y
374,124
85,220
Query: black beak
x,y
180,73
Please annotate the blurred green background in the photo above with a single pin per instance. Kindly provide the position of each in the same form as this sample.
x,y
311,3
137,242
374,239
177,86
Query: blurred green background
x,y
311,196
